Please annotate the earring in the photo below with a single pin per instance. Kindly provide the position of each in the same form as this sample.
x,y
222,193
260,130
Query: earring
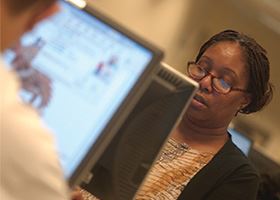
x,y
241,107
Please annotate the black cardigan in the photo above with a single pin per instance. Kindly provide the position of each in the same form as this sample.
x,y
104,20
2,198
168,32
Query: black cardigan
x,y
228,176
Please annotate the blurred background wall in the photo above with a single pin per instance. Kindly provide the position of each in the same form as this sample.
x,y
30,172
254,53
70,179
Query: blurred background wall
x,y
179,27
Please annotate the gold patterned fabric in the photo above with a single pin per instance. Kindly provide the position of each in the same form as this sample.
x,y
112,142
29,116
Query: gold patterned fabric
x,y
176,165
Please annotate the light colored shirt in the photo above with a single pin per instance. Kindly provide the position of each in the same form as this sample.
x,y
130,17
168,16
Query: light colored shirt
x,y
30,168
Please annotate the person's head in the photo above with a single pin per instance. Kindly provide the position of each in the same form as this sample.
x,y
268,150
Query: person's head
x,y
19,16
242,84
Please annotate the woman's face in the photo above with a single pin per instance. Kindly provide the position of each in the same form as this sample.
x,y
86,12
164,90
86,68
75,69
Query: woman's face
x,y
210,108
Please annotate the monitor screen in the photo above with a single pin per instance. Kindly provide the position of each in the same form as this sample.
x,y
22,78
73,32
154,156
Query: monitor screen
x,y
77,70
241,141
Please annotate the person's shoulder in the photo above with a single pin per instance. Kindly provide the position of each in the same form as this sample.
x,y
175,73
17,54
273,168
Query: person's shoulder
x,y
234,157
7,77
30,166
231,150
29,154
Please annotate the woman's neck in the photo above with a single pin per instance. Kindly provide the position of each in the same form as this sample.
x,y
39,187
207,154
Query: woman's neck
x,y
199,137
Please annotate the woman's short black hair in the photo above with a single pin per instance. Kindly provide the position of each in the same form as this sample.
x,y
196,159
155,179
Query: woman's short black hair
x,y
257,65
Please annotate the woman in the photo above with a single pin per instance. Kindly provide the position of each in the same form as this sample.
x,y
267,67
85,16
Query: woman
x,y
200,161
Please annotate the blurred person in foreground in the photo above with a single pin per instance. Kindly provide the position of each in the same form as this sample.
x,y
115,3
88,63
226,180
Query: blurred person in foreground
x,y
30,167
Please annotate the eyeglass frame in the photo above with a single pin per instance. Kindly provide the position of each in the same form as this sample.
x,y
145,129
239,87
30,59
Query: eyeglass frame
x,y
207,73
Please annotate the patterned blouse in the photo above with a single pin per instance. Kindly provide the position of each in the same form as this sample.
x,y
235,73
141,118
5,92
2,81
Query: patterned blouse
x,y
176,165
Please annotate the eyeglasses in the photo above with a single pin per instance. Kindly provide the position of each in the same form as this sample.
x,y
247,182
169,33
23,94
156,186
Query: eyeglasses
x,y
219,84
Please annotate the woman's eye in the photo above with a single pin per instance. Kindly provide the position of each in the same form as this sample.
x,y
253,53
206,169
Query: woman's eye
x,y
224,83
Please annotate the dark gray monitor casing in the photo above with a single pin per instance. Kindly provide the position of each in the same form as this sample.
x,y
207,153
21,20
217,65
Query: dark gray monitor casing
x,y
123,166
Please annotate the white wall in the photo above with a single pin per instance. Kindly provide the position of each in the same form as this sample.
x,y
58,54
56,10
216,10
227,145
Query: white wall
x,y
179,27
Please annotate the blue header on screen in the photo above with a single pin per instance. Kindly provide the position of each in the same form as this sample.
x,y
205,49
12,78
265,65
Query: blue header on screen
x,y
90,68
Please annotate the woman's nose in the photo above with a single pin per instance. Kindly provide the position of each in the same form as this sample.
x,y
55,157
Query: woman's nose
x,y
206,83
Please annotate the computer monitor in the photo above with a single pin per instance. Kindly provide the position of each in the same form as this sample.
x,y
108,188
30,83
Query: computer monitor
x,y
243,142
84,73
123,166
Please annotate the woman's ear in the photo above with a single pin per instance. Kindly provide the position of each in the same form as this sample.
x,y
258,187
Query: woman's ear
x,y
246,100
39,14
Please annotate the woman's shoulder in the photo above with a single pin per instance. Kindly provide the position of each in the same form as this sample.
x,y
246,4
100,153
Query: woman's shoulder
x,y
229,170
231,155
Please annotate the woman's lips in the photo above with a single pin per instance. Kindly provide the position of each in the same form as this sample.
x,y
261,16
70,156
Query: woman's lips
x,y
199,101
